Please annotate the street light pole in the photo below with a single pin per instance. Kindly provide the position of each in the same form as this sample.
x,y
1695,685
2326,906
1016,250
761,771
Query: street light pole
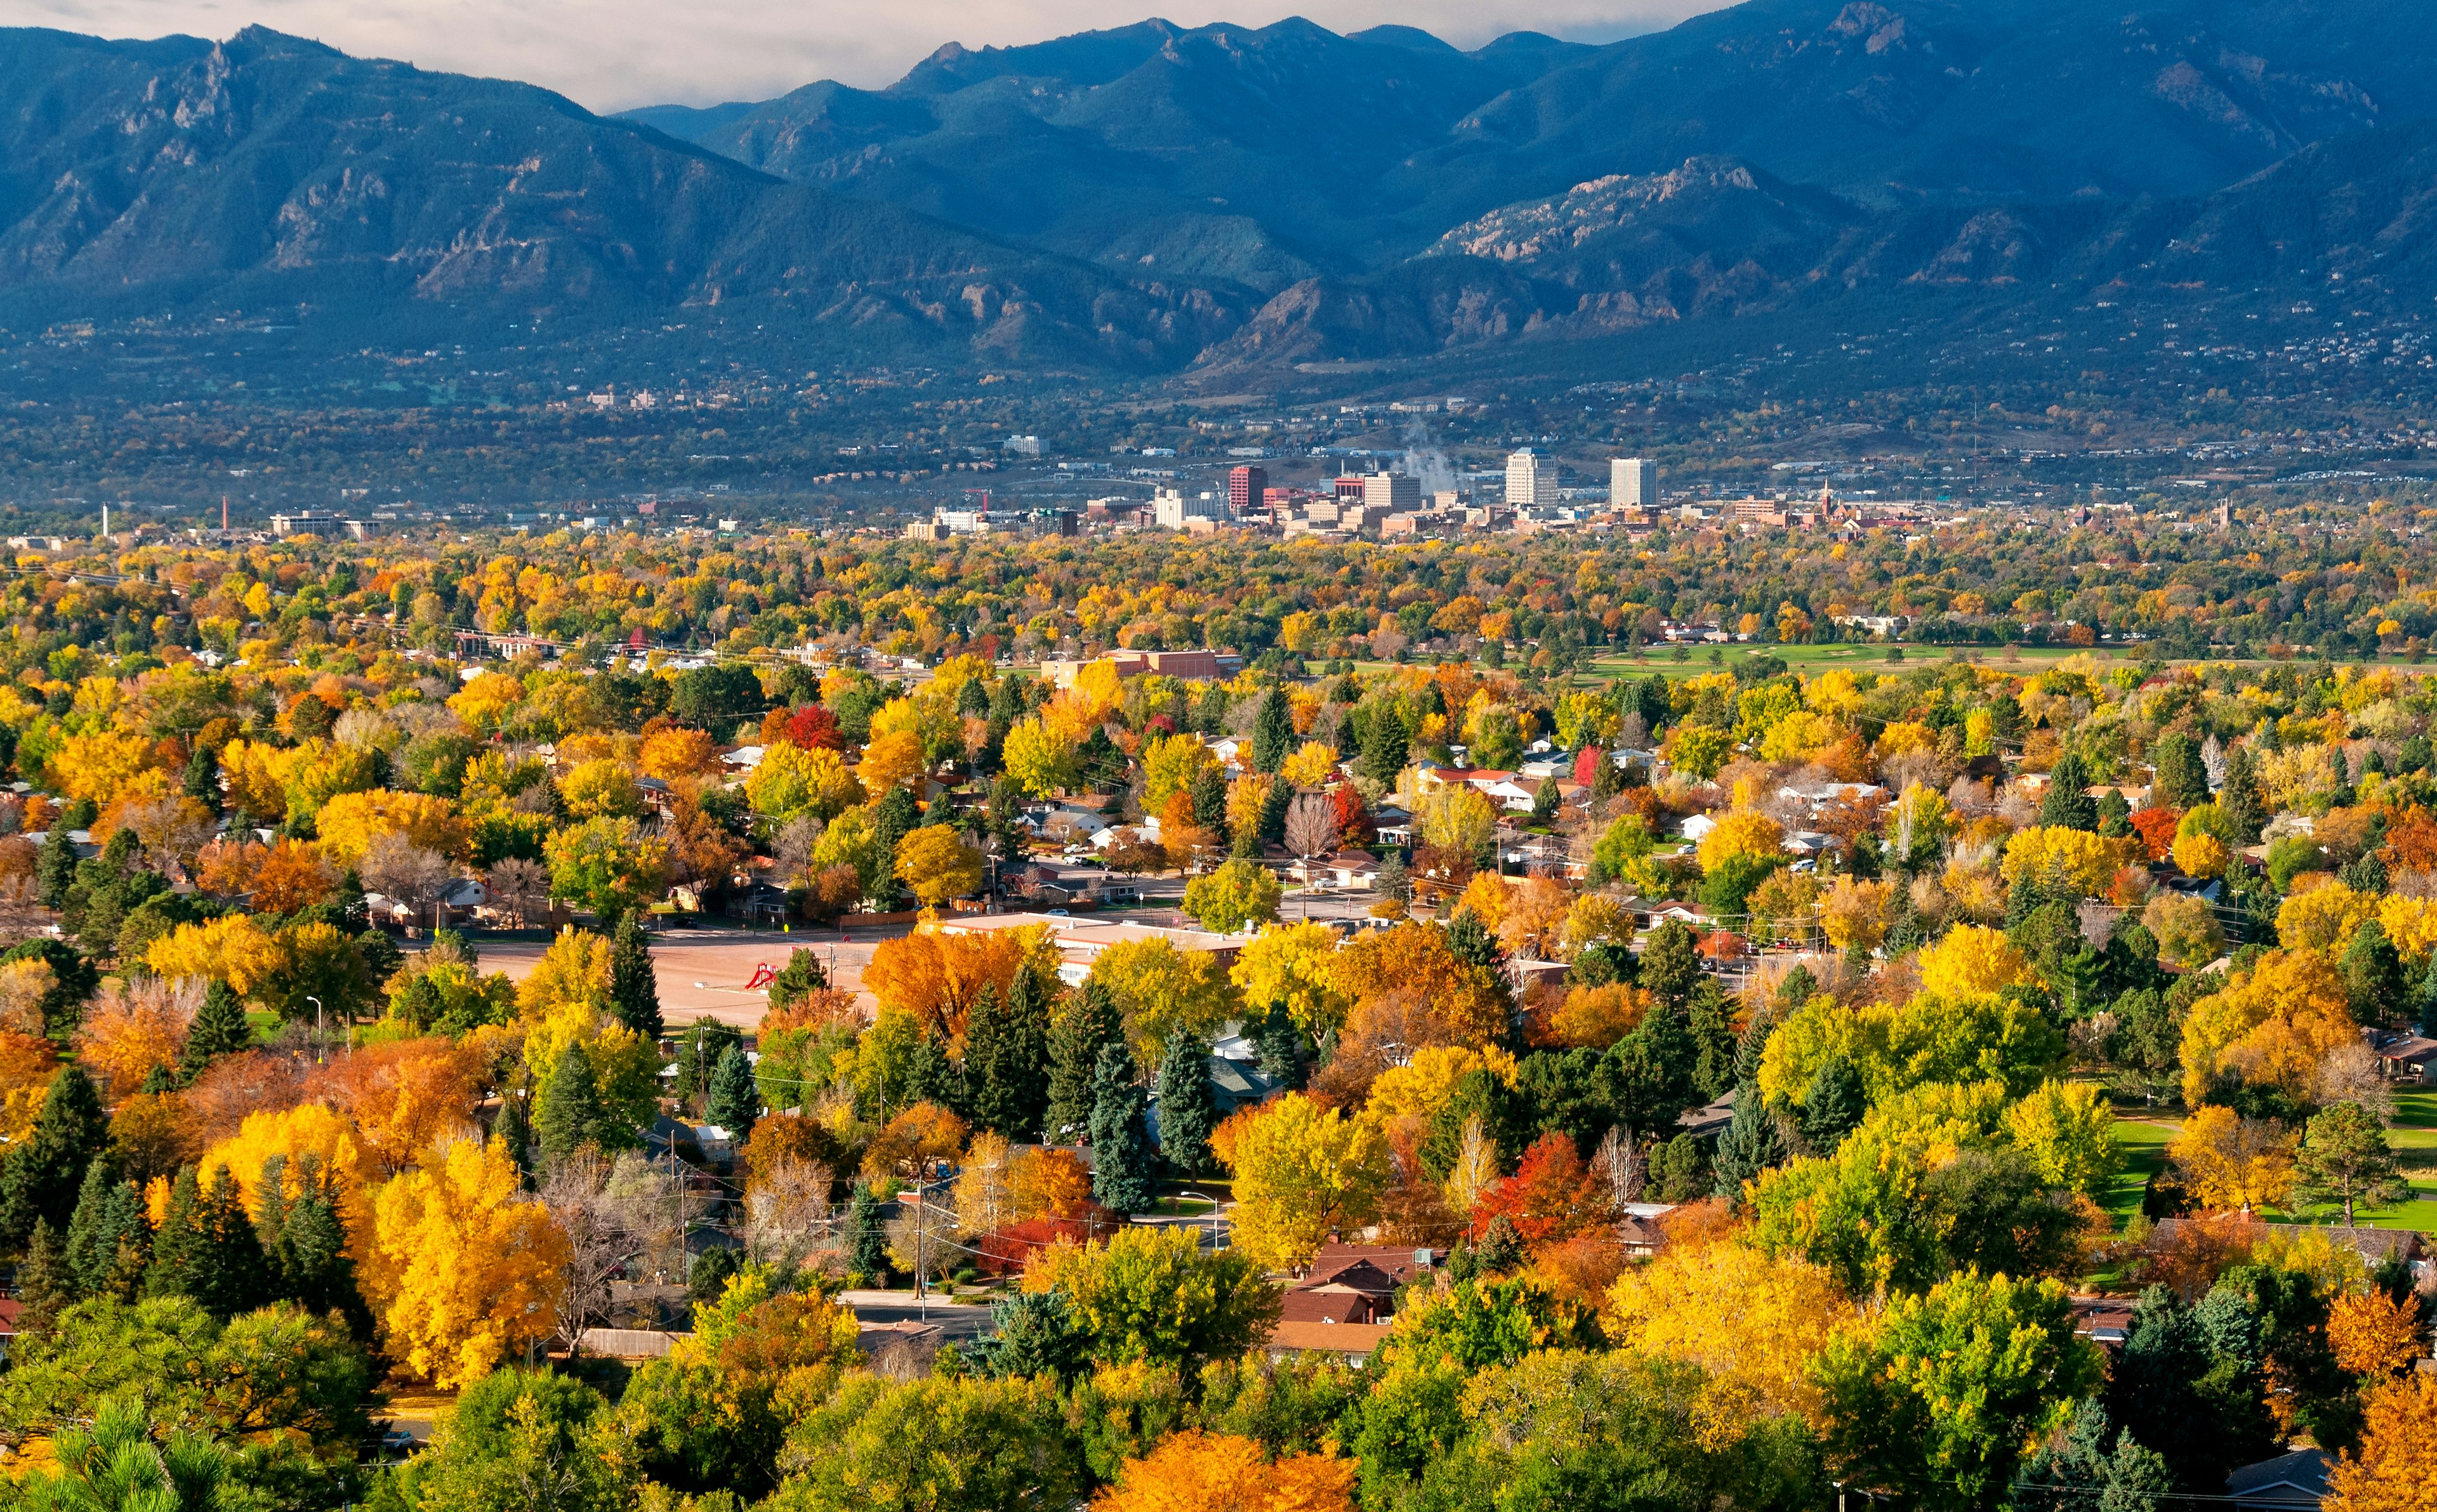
x,y
321,1033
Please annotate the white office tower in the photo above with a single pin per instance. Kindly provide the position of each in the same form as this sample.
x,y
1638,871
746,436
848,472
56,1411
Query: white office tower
x,y
1530,481
1170,508
1633,483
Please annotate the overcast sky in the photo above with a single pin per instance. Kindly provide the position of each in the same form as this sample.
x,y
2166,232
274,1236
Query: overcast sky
x,y
615,54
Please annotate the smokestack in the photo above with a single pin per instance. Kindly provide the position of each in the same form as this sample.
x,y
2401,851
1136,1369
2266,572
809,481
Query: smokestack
x,y
224,515
105,522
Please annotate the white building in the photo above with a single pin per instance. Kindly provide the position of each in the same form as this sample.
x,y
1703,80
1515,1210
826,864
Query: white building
x,y
1172,508
1531,480
1394,492
1022,445
1633,483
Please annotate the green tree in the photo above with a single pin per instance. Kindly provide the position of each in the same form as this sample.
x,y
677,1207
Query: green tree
x,y
866,1245
2067,803
1151,1295
2095,1465
1749,1145
1007,1057
520,1440
2181,781
110,1239
799,978
2245,809
208,1248
1936,1403
1385,744
571,1112
1187,1111
735,1100
893,818
55,867
1091,1021
1272,731
1239,896
1121,1156
634,990
46,1282
934,1444
219,1028
43,1176
1032,1333
1670,965
118,1465
2344,1162
2374,983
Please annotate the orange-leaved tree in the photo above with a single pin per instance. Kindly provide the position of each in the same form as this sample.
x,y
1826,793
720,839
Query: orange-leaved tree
x,y
2397,1460
1194,1471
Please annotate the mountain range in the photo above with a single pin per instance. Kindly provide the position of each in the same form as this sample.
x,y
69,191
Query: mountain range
x,y
1156,197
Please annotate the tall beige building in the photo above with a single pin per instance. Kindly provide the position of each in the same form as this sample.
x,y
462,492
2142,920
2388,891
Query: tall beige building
x,y
1633,483
1531,480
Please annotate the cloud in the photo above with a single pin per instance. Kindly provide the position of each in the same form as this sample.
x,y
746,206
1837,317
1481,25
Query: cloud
x,y
613,55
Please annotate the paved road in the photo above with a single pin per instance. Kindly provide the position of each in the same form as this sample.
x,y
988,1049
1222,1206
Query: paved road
x,y
957,1320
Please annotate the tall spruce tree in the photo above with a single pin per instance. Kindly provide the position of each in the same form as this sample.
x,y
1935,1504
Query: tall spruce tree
x,y
513,1127
45,1284
180,1234
570,1114
219,1028
799,978
1750,1144
633,992
1091,1021
226,1272
1188,1112
55,867
2245,809
892,819
2067,803
1284,1056
45,1174
867,1247
1121,1155
932,1077
309,1248
1007,1058
1385,743
735,1102
203,778
91,1244
1272,731
2181,781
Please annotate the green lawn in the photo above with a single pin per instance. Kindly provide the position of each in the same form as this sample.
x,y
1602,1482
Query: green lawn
x,y
2145,1155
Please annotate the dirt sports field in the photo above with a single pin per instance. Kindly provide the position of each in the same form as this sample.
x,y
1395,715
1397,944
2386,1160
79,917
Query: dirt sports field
x,y
704,971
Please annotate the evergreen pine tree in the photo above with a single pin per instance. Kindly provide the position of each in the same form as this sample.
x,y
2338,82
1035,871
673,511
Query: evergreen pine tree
x,y
1210,801
1188,1112
309,1250
513,1127
1712,1025
1272,731
1749,1046
570,1112
1089,1021
699,1052
932,1077
91,1244
158,1081
1384,746
226,1272
2182,782
1121,1156
128,1219
219,1028
1007,1058
55,868
735,1102
2245,811
633,992
1749,1145
1280,1044
1670,965
174,1245
866,1251
2374,979
202,782
1833,1105
799,978
1472,943
45,1284
1607,779
45,1174
2067,803
892,819
1275,805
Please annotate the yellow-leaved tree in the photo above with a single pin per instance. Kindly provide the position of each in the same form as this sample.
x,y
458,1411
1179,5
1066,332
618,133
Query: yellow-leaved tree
x,y
232,949
2230,1162
464,1267
1972,959
309,1132
1301,1171
2271,1026
1290,964
2063,860
2068,1131
349,824
2397,1463
1748,1317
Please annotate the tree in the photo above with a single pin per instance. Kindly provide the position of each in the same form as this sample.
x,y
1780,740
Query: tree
x,y
1272,731
1937,1401
208,1248
1151,1295
2093,1461
634,988
118,1465
570,1115
1301,1171
866,1250
1089,1020
936,863
2067,803
2229,1161
1229,1474
2344,1160
611,865
43,1176
936,1444
1159,987
2068,1131
218,1028
469,1269
1007,1057
1235,897
735,1102
1121,1157
1188,1112
1749,1145
2374,1334
2181,780
2398,1459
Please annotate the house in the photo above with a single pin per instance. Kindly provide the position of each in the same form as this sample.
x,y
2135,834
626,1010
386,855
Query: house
x,y
2406,1057
743,758
1357,1292
1697,827
1354,1341
2375,1246
2284,1484
1510,795
1638,1228
1702,1122
2105,1321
